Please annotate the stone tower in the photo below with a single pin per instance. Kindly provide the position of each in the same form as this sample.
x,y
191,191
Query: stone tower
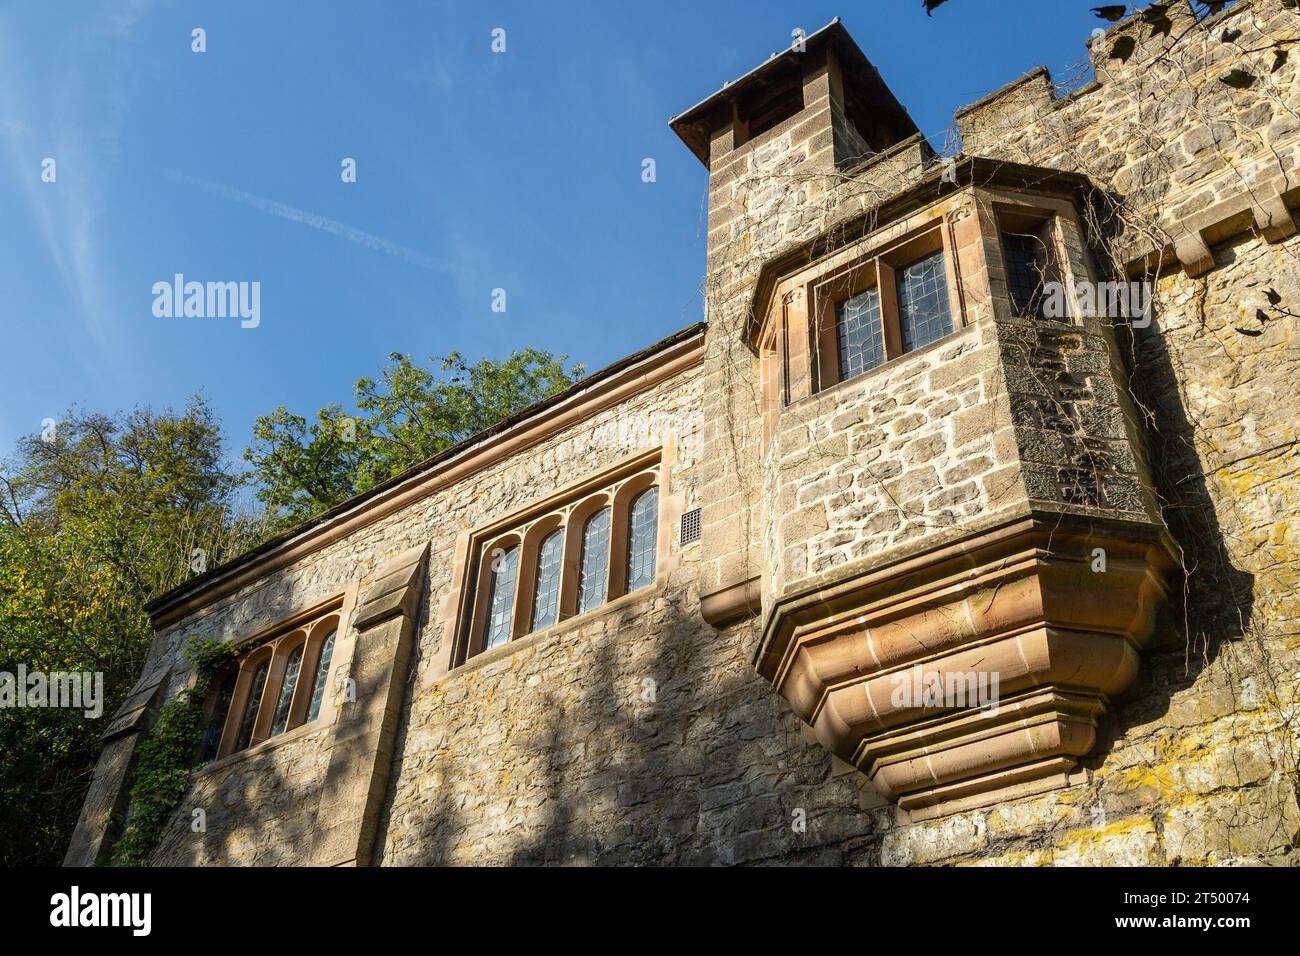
x,y
928,485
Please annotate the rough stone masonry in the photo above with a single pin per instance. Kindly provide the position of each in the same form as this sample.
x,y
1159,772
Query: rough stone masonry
x,y
943,509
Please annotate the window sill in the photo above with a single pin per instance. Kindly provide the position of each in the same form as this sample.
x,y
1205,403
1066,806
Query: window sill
x,y
1033,321
265,746
883,369
555,630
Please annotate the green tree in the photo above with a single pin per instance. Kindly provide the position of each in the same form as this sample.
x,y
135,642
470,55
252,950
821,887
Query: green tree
x,y
409,414
111,512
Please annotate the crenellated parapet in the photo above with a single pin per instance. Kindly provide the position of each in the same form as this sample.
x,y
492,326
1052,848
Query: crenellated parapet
x,y
1190,128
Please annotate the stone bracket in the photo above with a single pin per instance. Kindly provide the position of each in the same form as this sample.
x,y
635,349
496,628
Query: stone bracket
x,y
981,665
1194,253
1262,206
1272,217
732,603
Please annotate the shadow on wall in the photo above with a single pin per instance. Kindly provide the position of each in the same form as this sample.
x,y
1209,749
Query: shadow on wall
x,y
654,743
1212,603
649,738
258,813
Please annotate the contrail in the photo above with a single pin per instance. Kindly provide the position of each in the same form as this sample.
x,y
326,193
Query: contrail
x,y
323,223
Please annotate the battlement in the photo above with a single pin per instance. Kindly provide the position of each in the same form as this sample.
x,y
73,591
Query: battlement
x,y
1189,124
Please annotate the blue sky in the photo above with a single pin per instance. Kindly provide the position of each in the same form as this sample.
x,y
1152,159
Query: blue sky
x,y
475,171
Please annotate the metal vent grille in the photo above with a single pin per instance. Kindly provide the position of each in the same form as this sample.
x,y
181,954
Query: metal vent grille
x,y
691,526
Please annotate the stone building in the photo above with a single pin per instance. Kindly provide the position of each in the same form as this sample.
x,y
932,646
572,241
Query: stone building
x,y
933,545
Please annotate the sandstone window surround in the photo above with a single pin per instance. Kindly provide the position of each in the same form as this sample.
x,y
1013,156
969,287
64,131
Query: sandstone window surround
x,y
277,685
895,300
1031,241
893,292
866,304
564,557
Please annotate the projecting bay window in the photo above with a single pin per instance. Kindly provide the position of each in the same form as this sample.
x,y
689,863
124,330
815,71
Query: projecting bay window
x,y
896,301
859,336
566,561
841,307
276,686
1025,273
923,314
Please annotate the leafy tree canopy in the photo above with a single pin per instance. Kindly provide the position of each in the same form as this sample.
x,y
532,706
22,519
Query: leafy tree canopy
x,y
95,519
106,512
408,414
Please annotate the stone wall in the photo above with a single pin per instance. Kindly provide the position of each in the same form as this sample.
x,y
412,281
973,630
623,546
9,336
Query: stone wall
x,y
766,196
1191,133
259,809
644,738
1188,166
1203,764
897,454
257,801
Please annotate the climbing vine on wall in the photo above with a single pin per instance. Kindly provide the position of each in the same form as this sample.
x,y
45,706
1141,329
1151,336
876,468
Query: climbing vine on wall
x,y
166,759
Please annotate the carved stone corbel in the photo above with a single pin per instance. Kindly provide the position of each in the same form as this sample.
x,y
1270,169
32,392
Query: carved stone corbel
x,y
1019,604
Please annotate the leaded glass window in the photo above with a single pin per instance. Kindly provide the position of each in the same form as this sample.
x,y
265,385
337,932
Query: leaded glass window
x,y
546,588
501,603
594,569
1026,259
923,312
560,563
273,673
220,710
642,535
857,327
322,676
253,705
291,668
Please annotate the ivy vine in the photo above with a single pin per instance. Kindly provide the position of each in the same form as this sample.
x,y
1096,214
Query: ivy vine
x,y
167,757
